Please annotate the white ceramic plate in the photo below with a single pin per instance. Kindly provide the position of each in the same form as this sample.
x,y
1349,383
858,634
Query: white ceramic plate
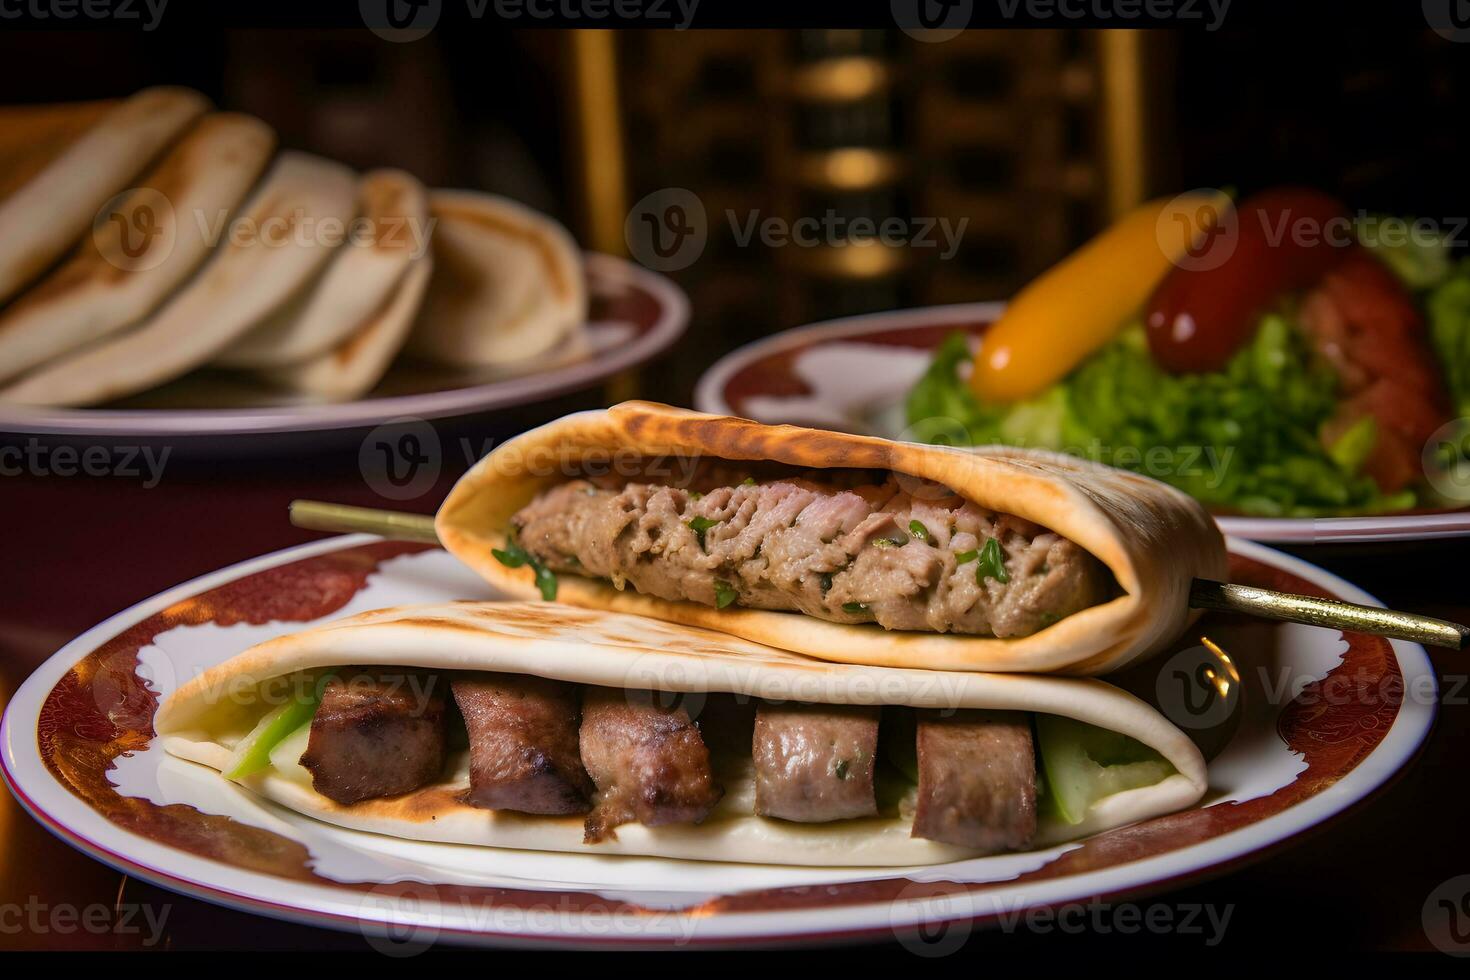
x,y
852,374
635,314
76,749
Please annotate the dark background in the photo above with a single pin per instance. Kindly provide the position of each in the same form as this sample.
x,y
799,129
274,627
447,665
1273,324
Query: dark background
x,y
1002,127
1005,128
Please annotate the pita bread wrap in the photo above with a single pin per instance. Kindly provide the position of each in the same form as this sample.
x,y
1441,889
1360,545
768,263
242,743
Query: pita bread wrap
x,y
207,719
52,210
363,279
268,250
508,283
1153,539
142,248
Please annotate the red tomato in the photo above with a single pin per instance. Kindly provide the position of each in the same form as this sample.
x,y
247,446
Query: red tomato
x,y
1284,240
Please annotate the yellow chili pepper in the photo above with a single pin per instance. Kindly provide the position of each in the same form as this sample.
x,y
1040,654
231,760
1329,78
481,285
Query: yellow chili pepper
x,y
1081,303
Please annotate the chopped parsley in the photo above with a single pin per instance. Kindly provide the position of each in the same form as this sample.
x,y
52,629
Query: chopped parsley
x,y
826,580
992,563
840,770
853,608
724,594
514,556
749,481
889,542
699,525
918,530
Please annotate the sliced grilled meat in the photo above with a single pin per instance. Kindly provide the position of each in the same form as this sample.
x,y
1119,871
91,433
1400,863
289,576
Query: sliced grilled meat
x,y
977,779
523,744
814,762
649,763
379,731
880,553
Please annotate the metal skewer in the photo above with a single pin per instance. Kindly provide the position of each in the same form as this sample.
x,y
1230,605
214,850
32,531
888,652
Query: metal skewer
x,y
317,515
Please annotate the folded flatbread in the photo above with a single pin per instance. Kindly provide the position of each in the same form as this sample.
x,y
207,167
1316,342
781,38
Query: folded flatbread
x,y
32,136
143,248
50,211
508,283
361,281
351,369
567,739
838,546
277,242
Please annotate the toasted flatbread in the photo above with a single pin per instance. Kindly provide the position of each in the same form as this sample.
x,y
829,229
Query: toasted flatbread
x,y
276,244
354,366
209,716
508,283
50,212
1154,539
31,137
143,248
362,280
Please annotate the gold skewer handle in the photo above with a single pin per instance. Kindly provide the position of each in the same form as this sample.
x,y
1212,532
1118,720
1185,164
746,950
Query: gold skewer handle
x,y
1330,613
317,515
1204,594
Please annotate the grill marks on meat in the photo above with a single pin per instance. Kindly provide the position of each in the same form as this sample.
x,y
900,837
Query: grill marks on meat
x,y
649,763
524,752
843,555
377,732
814,763
381,732
977,779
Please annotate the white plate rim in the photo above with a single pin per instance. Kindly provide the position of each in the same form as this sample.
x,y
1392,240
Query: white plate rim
x,y
73,821
673,319
709,397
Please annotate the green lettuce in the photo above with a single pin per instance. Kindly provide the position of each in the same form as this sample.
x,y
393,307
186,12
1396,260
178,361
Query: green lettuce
x,y
1242,439
1448,309
1419,254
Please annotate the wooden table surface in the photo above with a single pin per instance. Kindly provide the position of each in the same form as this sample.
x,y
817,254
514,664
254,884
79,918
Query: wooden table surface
x,y
85,547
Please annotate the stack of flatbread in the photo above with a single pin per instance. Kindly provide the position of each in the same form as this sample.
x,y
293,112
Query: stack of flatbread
x,y
146,238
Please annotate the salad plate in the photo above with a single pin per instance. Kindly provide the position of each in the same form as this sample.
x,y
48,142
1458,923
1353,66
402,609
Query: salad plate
x,y
77,748
857,374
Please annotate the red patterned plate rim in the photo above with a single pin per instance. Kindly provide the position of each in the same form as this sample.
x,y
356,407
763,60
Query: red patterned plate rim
x,y
763,367
662,313
56,750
